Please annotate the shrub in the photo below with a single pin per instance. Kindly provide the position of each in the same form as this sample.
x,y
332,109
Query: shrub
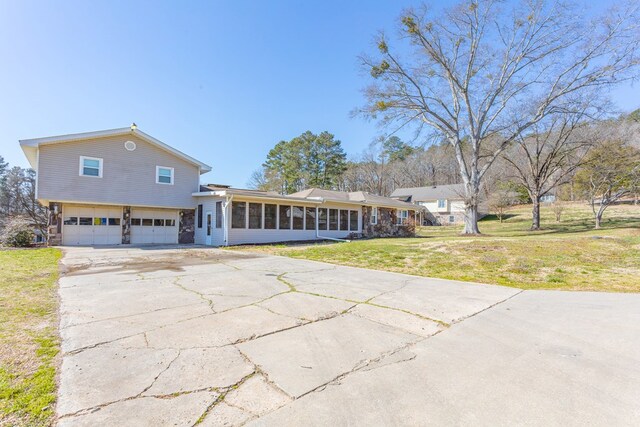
x,y
17,232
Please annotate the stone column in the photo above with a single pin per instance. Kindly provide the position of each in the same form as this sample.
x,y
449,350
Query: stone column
x,y
54,225
126,225
186,230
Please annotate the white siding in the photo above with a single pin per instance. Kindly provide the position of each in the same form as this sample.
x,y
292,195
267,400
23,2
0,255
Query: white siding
x,y
128,178
457,206
217,234
238,236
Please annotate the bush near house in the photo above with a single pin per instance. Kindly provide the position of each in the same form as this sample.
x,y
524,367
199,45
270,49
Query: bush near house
x,y
28,336
568,255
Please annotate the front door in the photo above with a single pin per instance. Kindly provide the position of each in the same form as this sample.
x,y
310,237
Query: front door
x,y
209,217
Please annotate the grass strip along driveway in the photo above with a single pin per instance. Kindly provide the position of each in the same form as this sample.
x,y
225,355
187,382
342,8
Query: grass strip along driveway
x,y
28,336
567,255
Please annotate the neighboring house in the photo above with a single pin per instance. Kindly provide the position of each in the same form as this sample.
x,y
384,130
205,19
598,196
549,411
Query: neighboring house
x,y
123,186
443,204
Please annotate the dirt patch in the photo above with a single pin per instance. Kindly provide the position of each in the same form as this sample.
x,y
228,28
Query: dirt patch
x,y
171,262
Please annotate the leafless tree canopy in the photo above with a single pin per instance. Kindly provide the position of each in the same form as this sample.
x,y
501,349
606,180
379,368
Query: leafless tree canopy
x,y
483,73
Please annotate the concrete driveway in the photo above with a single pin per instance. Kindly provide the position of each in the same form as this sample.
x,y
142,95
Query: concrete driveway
x,y
180,336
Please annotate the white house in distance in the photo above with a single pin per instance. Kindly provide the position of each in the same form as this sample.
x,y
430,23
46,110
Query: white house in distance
x,y
122,186
444,204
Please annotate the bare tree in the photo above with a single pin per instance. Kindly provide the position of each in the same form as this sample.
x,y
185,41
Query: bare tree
x,y
483,72
500,202
558,208
611,173
549,155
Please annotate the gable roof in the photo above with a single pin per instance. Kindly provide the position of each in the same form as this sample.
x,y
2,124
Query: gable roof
x,y
360,197
30,146
434,192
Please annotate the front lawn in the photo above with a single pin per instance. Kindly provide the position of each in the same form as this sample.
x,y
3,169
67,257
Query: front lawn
x,y
568,255
28,336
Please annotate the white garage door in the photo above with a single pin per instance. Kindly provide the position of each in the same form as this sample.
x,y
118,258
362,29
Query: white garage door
x,y
91,225
154,226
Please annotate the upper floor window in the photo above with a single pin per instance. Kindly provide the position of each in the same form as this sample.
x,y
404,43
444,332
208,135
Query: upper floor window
x,y
164,175
90,166
442,203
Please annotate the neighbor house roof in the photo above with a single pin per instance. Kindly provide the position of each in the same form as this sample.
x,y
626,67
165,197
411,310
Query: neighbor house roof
x,y
360,197
434,192
30,146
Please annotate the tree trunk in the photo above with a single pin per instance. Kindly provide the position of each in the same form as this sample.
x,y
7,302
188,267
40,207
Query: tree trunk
x,y
598,219
471,219
535,224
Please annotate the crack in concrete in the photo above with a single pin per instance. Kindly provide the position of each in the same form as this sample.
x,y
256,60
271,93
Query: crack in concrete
x,y
489,307
126,316
200,294
223,393
362,365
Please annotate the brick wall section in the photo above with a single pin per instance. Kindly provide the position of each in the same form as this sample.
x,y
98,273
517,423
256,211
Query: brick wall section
x,y
186,230
126,225
54,226
386,226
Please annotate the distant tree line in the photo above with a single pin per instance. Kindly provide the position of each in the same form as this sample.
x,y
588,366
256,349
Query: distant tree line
x,y
572,157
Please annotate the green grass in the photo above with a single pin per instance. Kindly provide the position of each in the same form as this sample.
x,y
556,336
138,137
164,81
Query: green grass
x,y
29,341
568,255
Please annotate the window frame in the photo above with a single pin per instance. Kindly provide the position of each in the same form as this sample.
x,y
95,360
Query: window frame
x,y
200,213
310,220
402,219
297,217
158,175
452,219
260,224
218,214
374,215
288,218
244,215
270,222
100,166
444,203
351,219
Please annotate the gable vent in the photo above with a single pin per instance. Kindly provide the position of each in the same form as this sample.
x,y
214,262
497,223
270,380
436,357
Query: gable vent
x,y
130,145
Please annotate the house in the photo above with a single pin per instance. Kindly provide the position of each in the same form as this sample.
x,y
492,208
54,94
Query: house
x,y
122,186
443,204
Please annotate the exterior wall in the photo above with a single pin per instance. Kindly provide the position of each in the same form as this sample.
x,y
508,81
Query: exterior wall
x,y
217,234
238,236
128,178
386,226
440,216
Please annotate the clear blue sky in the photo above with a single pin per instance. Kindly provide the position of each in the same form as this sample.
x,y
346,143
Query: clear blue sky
x,y
222,81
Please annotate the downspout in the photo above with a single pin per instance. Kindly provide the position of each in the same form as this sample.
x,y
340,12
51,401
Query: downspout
x,y
226,219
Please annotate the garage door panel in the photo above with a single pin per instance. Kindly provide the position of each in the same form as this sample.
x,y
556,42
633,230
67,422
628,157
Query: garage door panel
x,y
157,226
85,225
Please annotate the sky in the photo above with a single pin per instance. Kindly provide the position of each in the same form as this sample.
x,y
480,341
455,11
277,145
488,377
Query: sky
x,y
222,81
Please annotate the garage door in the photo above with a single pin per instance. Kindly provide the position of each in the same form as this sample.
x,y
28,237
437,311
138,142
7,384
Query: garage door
x,y
91,225
154,226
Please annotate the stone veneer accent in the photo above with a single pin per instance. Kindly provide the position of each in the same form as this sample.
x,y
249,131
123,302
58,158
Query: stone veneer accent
x,y
126,225
54,224
186,230
386,226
